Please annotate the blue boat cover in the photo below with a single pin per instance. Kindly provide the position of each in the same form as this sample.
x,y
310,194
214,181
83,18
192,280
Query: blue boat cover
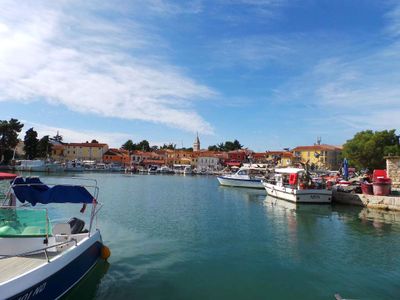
x,y
32,190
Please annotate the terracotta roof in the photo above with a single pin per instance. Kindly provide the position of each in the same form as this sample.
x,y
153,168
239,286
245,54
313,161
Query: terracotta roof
x,y
281,153
317,147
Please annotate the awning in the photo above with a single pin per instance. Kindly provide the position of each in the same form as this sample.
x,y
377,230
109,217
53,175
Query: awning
x,y
233,164
32,190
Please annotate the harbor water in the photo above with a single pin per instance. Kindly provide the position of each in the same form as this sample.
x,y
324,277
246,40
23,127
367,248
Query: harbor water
x,y
184,237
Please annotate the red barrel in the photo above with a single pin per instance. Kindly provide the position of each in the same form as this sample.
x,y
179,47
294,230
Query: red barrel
x,y
382,186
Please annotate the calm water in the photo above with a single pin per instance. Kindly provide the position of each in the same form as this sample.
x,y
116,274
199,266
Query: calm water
x,y
175,237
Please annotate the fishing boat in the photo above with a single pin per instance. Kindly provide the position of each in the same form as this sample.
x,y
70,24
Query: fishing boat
x,y
40,259
248,176
296,185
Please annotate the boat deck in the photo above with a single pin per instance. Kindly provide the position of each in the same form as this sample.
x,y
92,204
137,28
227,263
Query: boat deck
x,y
15,266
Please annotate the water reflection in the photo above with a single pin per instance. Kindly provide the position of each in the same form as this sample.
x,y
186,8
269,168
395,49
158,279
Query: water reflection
x,y
87,288
248,194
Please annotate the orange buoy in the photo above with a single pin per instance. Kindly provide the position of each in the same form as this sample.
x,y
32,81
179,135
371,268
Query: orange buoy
x,y
105,252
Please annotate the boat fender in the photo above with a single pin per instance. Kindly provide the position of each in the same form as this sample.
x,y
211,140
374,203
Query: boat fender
x,y
76,225
105,252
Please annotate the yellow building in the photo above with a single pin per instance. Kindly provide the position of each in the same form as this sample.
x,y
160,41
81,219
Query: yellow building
x,y
85,151
320,155
280,158
57,151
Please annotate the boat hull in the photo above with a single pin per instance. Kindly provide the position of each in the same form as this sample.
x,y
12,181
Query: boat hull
x,y
236,182
54,279
298,196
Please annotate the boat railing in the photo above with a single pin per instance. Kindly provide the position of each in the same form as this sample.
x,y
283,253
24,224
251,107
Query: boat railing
x,y
44,249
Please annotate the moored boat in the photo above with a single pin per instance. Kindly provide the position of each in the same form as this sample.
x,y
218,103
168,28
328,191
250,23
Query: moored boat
x,y
38,259
38,165
295,185
250,176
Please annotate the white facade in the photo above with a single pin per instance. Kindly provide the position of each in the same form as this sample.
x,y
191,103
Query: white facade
x,y
207,162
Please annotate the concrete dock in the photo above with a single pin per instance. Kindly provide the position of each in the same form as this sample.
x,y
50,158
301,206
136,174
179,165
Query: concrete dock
x,y
391,202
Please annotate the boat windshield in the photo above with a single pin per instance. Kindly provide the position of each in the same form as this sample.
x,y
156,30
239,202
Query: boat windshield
x,y
20,222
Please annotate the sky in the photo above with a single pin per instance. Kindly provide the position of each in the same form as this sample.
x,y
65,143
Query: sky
x,y
270,73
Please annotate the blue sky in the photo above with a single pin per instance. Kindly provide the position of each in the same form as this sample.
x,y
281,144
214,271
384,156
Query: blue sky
x,y
270,73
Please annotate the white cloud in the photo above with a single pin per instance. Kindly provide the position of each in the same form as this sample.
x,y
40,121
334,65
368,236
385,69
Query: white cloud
x,y
91,65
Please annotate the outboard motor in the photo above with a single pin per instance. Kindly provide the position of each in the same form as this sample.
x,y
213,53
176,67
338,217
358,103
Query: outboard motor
x,y
76,225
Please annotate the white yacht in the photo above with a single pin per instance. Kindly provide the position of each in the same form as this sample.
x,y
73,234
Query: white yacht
x,y
293,184
248,176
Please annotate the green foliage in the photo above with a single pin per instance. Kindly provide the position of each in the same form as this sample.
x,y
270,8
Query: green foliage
x,y
8,138
170,146
31,144
227,146
367,148
213,148
128,145
142,146
57,138
44,147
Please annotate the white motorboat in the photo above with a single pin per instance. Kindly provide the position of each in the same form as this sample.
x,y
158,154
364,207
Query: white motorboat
x,y
187,170
166,170
293,184
38,259
153,169
249,176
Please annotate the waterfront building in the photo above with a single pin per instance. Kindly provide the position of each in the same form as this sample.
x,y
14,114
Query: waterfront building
x,y
206,160
19,149
117,156
196,144
280,158
57,150
85,151
319,155
180,157
237,157
147,159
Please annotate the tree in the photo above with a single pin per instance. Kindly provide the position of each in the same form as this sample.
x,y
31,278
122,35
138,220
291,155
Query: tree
x,y
213,148
94,142
8,138
367,148
44,147
57,138
31,143
227,146
170,146
143,146
128,145
237,145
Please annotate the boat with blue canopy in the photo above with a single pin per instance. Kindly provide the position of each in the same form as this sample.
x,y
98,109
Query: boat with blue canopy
x,y
41,259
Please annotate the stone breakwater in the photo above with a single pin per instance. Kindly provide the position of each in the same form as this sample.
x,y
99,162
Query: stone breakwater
x,y
381,202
